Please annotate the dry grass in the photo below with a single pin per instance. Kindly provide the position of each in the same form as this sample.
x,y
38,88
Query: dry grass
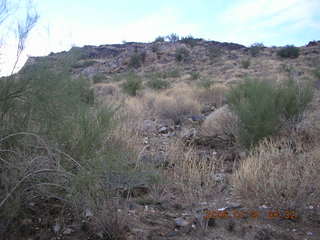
x,y
192,172
275,175
214,95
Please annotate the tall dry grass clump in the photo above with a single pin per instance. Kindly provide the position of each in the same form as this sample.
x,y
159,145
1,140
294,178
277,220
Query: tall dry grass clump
x,y
193,172
213,95
275,175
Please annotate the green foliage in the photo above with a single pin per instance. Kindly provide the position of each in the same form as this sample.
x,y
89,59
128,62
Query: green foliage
x,y
245,63
205,83
262,107
195,75
132,85
190,40
136,60
255,49
173,38
98,78
159,39
174,73
182,54
158,83
289,51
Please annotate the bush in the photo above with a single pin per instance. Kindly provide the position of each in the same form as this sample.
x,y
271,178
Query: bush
x,y
98,78
205,83
173,38
137,59
195,75
289,51
159,39
182,54
275,175
158,83
245,63
262,107
132,85
255,49
191,41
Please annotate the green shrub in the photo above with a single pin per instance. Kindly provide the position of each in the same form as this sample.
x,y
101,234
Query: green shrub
x,y
190,40
137,59
173,38
158,83
174,73
255,49
245,63
289,51
205,83
159,39
132,85
182,54
98,78
195,75
263,108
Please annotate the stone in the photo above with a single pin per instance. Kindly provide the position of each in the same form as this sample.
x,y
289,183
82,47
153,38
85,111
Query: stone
x,y
67,231
163,130
181,222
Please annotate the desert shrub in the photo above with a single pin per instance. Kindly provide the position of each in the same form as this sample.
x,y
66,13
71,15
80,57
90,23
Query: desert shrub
x,y
136,60
173,38
288,51
245,63
261,107
255,49
174,73
158,83
275,175
182,54
98,78
132,85
205,83
316,73
195,75
159,39
190,40
176,108
293,99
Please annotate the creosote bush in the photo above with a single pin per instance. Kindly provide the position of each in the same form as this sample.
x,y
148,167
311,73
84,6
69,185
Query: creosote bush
x,y
289,51
132,85
158,83
263,107
255,49
182,54
173,37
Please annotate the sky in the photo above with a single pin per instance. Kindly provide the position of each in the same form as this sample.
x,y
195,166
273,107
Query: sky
x,y
66,23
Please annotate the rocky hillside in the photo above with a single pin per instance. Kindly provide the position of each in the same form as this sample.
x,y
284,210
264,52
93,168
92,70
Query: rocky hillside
x,y
225,62
175,124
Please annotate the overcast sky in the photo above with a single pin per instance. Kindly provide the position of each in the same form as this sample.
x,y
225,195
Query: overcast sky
x,y
65,23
